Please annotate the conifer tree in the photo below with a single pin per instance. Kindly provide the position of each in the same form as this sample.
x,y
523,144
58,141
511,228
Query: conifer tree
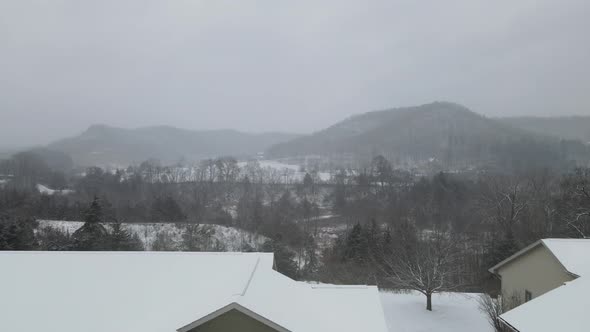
x,y
122,240
284,258
92,236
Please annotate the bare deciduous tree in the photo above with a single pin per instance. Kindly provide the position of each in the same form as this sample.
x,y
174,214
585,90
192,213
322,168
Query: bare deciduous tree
x,y
575,202
494,307
430,266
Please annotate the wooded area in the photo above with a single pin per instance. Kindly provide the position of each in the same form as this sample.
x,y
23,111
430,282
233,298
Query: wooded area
x,y
399,230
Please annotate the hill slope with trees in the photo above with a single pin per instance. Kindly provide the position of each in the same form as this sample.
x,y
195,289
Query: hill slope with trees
x,y
103,145
447,132
570,127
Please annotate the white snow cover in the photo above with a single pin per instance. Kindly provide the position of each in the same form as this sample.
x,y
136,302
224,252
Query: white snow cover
x,y
452,312
232,238
48,191
307,307
574,254
564,308
294,171
164,291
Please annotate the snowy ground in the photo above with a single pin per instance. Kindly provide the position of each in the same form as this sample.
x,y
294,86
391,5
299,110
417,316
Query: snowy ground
x,y
48,191
292,172
327,235
232,239
452,312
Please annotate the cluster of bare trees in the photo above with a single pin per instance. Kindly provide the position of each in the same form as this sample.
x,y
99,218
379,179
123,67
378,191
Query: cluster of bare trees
x,y
220,170
404,231
460,225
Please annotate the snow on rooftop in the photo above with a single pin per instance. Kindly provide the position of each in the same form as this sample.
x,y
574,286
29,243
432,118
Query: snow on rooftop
x,y
308,308
564,308
574,254
165,291
116,292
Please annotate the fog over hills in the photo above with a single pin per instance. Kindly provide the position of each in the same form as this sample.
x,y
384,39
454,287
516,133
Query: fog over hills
x,y
566,127
449,133
444,131
104,145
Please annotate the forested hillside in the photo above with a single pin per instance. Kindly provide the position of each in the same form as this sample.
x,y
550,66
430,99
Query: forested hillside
x,y
445,132
566,127
109,146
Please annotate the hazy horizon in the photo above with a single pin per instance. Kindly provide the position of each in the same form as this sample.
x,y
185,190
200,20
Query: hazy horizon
x,y
263,66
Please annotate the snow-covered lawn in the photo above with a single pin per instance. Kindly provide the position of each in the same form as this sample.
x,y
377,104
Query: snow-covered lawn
x,y
48,191
293,171
231,238
452,312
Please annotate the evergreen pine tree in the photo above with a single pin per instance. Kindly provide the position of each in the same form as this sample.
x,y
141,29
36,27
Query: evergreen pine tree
x,y
17,234
284,258
92,236
356,244
122,240
311,259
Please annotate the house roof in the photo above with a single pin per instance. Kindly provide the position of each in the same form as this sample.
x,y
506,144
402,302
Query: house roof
x,y
573,254
566,251
165,292
563,308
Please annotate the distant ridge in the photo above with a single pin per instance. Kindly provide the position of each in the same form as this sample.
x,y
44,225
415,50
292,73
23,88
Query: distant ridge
x,y
565,127
104,145
444,131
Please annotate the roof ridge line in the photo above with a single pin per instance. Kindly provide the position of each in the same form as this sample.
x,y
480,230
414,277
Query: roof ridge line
x,y
250,278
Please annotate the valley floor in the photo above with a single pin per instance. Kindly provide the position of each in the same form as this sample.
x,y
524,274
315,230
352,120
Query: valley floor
x,y
452,312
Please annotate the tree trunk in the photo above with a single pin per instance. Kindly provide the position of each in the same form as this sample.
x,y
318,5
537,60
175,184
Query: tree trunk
x,y
429,302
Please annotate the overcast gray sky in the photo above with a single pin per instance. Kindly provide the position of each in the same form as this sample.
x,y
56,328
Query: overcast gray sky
x,y
274,65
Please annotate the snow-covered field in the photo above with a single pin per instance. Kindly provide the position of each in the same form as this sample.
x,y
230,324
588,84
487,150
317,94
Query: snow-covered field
x,y
327,235
48,191
292,172
232,239
452,312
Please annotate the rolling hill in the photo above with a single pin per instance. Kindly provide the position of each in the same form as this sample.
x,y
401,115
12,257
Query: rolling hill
x,y
102,145
442,131
570,127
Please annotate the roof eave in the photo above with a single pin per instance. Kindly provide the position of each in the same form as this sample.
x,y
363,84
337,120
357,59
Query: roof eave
x,y
227,308
495,268
508,324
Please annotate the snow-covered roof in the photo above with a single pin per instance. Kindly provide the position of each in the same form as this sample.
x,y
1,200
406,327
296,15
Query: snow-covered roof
x,y
568,253
562,309
164,291
565,307
573,254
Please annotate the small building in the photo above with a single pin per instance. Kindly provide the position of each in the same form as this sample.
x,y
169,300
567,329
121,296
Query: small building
x,y
165,291
551,280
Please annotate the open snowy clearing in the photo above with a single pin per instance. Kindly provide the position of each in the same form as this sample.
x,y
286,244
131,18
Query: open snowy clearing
x,y
48,191
452,312
293,172
231,238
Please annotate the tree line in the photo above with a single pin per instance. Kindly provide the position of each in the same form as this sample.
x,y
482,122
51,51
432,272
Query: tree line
x,y
399,229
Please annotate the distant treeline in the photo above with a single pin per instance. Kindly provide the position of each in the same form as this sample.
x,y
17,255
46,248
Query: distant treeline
x,y
487,215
